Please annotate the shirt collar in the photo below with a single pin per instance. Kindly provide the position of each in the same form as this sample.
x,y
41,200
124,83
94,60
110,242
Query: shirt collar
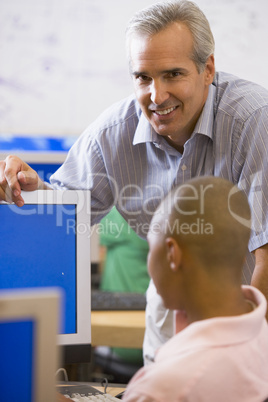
x,y
219,331
145,132
205,122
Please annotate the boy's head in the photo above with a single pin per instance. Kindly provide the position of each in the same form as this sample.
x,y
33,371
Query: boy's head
x,y
198,237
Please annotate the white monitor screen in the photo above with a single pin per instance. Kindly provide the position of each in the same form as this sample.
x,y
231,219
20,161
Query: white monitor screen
x,y
47,243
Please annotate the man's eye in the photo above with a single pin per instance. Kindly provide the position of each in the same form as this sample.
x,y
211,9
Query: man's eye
x,y
143,78
174,74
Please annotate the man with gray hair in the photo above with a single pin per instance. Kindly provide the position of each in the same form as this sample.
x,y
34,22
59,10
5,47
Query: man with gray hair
x,y
185,120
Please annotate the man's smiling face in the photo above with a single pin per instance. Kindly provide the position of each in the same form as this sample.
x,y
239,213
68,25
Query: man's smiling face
x,y
168,86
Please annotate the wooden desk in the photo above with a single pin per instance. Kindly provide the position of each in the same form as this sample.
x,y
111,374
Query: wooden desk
x,y
111,390
118,328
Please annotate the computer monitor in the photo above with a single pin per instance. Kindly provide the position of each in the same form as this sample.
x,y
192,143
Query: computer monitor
x,y
28,349
47,243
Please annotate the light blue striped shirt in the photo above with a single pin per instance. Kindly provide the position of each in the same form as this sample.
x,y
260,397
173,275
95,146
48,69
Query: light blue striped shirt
x,y
123,161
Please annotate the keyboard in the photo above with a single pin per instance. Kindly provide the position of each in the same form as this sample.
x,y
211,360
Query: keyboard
x,y
103,300
85,393
87,398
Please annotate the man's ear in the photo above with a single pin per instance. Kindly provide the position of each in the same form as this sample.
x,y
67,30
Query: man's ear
x,y
210,70
174,253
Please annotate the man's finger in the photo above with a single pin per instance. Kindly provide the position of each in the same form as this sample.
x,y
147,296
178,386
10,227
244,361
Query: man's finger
x,y
2,174
13,166
28,180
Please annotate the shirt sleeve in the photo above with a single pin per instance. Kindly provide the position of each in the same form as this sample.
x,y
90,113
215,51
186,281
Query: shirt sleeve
x,y
84,169
139,389
250,169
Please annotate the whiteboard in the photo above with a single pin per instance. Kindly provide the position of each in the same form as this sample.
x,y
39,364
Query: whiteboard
x,y
63,61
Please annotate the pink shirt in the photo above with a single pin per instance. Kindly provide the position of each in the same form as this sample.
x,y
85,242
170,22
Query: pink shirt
x,y
223,359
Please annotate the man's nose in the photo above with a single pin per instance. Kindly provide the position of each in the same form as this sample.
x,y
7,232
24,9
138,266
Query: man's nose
x,y
159,93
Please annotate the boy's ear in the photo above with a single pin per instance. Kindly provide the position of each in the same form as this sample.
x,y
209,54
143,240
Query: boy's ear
x,y
174,253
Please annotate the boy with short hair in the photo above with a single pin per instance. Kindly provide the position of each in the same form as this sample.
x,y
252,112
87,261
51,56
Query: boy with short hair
x,y
198,238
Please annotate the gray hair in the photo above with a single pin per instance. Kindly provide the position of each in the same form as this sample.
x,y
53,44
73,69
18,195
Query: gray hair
x,y
159,16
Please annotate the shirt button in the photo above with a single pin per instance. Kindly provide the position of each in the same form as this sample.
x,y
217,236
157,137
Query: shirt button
x,y
184,167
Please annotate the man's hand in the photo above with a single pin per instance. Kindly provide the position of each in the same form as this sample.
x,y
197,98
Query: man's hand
x,y
16,175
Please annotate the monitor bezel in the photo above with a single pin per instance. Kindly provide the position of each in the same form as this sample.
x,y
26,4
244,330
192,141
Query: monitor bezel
x,y
81,199
42,306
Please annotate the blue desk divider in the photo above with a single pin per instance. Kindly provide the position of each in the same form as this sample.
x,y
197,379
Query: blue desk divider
x,y
41,147
38,144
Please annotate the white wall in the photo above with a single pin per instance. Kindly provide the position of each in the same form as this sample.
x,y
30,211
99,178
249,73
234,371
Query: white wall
x,y
63,61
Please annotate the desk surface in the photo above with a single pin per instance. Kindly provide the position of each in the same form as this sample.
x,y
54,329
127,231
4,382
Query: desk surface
x,y
118,328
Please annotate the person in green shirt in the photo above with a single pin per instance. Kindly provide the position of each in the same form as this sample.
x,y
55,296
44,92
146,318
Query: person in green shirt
x,y
125,266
